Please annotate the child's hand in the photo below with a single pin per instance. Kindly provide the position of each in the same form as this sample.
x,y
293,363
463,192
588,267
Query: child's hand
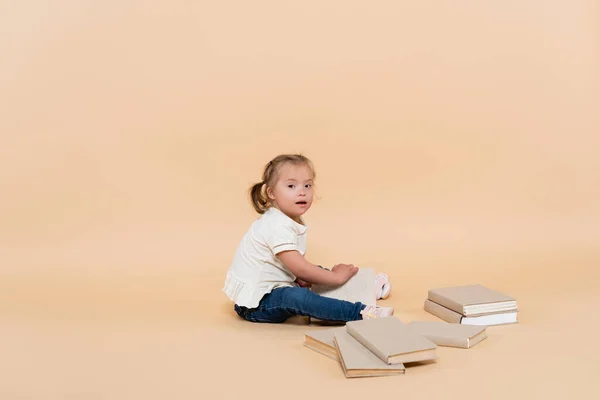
x,y
302,283
344,272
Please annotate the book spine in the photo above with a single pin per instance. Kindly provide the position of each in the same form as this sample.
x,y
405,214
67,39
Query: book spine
x,y
442,312
436,298
359,338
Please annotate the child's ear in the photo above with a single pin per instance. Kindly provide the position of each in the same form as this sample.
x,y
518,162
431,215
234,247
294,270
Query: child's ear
x,y
270,194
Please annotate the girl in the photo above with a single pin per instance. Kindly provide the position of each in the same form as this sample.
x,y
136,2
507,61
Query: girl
x,y
269,277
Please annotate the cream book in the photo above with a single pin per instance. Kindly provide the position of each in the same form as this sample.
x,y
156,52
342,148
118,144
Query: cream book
x,y
472,300
451,316
359,288
391,340
358,361
448,334
322,341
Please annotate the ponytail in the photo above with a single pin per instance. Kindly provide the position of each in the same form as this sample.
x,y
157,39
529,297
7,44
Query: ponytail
x,y
259,199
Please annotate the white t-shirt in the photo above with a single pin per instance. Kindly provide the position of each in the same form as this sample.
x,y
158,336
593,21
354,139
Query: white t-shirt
x,y
255,270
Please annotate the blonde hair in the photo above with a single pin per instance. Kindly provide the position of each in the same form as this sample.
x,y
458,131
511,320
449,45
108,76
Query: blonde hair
x,y
259,197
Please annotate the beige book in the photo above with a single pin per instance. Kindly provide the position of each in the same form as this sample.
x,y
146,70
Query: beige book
x,y
391,340
448,315
472,300
450,335
442,312
322,341
358,361
359,288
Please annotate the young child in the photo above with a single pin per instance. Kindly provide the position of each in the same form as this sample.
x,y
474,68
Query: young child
x,y
269,277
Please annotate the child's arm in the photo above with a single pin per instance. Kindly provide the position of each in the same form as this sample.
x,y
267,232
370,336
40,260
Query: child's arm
x,y
308,272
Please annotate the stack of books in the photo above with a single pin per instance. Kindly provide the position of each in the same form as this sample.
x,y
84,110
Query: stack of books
x,y
382,347
472,305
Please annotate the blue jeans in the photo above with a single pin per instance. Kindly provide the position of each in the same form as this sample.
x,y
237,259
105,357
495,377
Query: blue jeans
x,y
285,302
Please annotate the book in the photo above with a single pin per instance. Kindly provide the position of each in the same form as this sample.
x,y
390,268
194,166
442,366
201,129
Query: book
x,y
391,340
451,316
322,341
472,300
450,334
358,361
359,288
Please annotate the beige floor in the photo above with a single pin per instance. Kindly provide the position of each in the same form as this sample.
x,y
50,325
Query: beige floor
x,y
178,338
454,143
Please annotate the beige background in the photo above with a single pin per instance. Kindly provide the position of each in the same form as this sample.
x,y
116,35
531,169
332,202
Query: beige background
x,y
454,143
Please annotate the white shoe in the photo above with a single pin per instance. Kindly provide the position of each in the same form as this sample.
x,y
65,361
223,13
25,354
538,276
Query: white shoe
x,y
383,286
371,312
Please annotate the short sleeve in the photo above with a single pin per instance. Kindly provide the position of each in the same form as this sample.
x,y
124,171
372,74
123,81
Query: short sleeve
x,y
282,238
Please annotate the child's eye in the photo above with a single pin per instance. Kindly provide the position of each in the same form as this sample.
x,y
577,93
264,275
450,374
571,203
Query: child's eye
x,y
290,186
308,185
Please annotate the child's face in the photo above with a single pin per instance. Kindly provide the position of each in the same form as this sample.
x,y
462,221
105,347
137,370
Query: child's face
x,y
293,191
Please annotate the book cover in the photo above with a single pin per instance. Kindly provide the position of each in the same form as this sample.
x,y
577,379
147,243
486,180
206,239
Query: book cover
x,y
391,340
358,361
450,334
361,287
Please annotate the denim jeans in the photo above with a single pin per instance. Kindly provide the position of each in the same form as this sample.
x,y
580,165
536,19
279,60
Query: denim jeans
x,y
283,303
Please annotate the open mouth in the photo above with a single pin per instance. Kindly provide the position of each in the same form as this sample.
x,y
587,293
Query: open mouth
x,y
301,202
